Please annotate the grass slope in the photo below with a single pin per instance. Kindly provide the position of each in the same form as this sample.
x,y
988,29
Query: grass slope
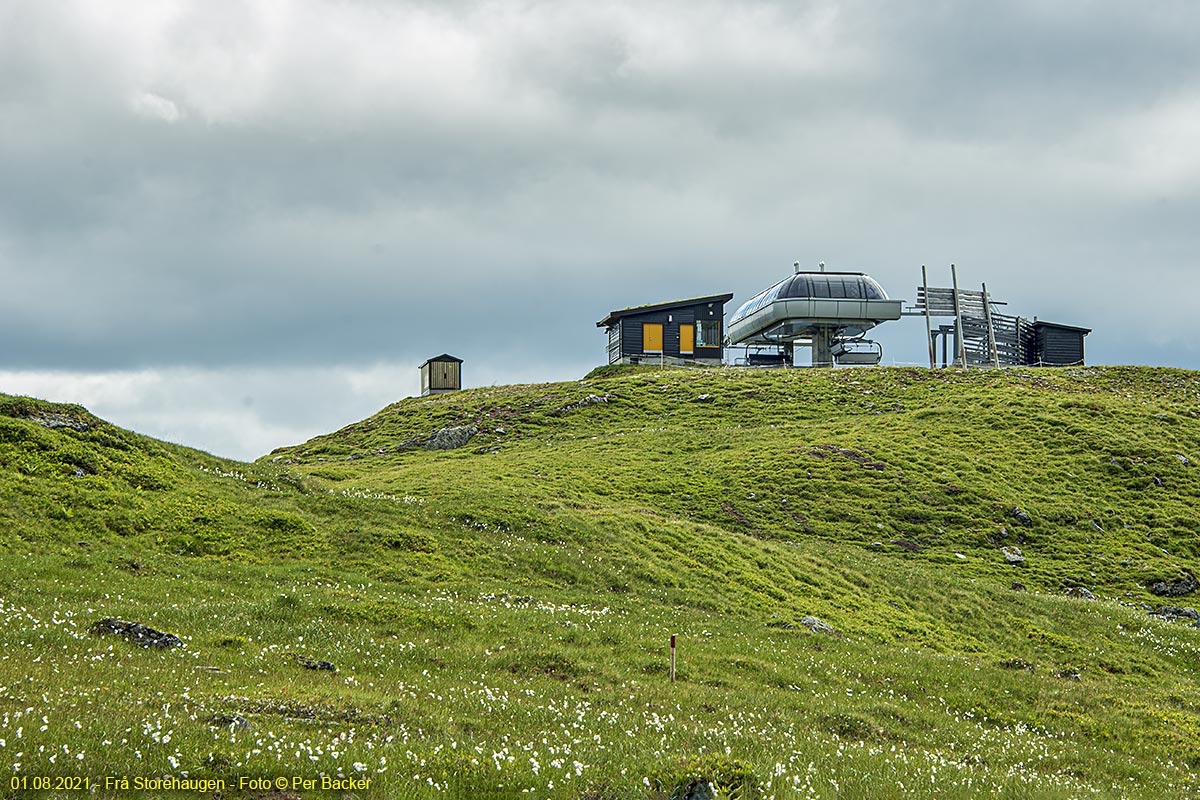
x,y
498,614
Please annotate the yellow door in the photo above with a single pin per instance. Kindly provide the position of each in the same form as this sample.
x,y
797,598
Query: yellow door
x,y
687,339
651,337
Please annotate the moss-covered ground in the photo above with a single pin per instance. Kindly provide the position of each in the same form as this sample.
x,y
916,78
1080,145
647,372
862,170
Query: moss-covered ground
x,y
499,614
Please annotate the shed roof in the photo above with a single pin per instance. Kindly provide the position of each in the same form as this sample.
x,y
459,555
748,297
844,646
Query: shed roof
x,y
613,316
444,357
1043,324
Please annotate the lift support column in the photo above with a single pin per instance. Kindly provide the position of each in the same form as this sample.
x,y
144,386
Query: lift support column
x,y
822,347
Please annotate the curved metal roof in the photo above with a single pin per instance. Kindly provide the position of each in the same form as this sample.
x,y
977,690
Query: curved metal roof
x,y
819,285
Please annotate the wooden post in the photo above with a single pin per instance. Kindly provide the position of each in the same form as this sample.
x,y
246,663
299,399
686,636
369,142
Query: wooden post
x,y
987,313
672,658
928,320
959,343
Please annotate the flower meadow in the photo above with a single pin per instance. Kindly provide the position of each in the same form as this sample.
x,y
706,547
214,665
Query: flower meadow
x,y
546,699
385,621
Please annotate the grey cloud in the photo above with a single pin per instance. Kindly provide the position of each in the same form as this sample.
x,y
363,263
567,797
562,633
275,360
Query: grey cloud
x,y
321,184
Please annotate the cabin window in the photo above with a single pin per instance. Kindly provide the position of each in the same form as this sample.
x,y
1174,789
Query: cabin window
x,y
708,333
652,337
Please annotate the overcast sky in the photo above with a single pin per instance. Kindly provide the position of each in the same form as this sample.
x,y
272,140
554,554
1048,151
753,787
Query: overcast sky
x,y
237,225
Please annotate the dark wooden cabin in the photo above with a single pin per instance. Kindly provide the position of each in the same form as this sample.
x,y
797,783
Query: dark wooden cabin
x,y
441,374
1054,345
681,331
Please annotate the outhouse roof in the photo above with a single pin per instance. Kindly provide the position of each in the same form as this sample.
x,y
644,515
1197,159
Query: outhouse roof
x,y
444,357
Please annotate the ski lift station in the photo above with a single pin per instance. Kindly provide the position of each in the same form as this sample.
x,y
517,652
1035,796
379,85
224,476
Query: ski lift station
x,y
828,312
831,314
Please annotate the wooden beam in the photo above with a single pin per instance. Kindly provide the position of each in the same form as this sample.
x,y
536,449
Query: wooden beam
x,y
991,330
958,330
928,318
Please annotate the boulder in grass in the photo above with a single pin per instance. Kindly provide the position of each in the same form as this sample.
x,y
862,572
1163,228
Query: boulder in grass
x,y
136,632
313,663
818,625
1174,612
1185,585
1013,555
451,438
1021,516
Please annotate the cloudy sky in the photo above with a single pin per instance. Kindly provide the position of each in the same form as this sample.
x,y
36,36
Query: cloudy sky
x,y
239,224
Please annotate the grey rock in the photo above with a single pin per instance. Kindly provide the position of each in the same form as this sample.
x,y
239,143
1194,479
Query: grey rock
x,y
1013,555
1017,586
590,400
1182,459
1080,592
696,789
1185,585
451,438
704,398
235,722
312,663
59,421
1021,516
817,625
1174,612
136,632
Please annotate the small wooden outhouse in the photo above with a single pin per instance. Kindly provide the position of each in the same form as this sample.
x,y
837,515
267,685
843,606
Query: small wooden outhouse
x,y
441,374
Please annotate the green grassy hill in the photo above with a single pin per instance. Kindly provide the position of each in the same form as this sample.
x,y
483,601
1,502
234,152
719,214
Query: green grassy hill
x,y
498,614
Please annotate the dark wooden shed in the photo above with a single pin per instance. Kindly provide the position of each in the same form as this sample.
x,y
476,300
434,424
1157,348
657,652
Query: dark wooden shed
x,y
441,374
1057,345
681,331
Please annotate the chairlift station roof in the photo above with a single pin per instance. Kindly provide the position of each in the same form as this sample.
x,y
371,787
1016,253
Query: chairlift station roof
x,y
801,304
